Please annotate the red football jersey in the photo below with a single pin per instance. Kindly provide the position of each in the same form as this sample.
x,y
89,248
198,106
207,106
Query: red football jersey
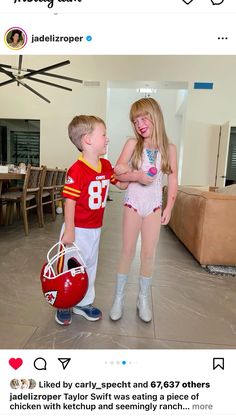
x,y
89,187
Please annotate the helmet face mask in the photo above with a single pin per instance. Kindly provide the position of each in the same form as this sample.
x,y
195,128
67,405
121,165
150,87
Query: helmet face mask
x,y
64,287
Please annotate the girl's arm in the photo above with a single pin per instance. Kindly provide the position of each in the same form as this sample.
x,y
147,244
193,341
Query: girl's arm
x,y
123,171
122,168
69,234
172,185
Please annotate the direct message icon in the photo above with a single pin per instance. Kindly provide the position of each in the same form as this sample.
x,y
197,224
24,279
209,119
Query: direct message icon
x,y
64,362
218,363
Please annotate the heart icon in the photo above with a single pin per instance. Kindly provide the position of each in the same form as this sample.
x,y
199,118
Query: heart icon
x,y
15,363
187,1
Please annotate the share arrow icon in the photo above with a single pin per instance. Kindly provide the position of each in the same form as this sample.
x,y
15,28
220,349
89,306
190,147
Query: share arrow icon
x,y
64,362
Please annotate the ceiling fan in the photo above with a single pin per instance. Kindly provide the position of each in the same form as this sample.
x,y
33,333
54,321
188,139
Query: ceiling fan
x,y
28,73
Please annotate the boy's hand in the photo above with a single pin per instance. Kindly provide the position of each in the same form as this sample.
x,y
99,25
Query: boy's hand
x,y
68,237
120,169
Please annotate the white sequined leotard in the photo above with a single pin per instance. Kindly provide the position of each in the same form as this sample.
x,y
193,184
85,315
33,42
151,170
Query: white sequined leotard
x,y
145,199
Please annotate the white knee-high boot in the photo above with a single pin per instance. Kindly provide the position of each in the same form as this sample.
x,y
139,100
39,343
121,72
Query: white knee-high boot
x,y
118,303
144,299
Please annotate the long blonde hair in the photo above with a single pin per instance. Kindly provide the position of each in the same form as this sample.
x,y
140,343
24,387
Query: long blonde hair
x,y
149,107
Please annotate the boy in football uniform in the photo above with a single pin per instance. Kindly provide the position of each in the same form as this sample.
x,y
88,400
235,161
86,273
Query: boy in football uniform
x,y
86,189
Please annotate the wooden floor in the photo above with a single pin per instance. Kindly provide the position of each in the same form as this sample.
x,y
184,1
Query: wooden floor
x,y
191,308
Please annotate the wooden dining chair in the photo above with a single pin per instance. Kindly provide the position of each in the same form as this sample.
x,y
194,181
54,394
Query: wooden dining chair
x,y
48,182
5,186
28,198
3,204
59,185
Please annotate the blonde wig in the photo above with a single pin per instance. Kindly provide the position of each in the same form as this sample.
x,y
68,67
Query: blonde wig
x,y
80,126
150,108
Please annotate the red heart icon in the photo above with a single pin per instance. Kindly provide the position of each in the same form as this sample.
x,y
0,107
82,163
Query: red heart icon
x,y
15,363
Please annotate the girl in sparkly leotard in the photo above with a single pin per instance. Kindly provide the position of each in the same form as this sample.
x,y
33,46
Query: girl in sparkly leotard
x,y
143,212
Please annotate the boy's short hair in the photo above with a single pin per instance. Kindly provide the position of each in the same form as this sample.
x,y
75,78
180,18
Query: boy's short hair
x,y
80,126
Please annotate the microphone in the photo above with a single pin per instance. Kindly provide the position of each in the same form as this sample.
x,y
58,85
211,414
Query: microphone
x,y
152,171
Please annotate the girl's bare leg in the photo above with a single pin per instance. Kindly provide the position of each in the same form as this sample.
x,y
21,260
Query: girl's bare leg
x,y
131,228
150,231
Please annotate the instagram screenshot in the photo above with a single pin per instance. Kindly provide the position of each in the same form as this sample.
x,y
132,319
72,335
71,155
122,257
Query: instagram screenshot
x,y
117,208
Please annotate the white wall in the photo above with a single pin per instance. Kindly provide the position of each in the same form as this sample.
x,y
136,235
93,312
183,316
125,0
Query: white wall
x,y
205,109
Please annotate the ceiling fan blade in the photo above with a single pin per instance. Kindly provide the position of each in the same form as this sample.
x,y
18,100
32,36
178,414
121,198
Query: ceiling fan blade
x,y
61,77
50,84
4,83
7,66
44,73
33,91
40,70
9,74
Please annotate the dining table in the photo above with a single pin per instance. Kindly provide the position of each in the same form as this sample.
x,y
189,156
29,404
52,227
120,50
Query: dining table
x,y
10,176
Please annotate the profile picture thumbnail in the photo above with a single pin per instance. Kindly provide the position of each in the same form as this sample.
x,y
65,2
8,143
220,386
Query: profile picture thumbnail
x,y
15,38
15,383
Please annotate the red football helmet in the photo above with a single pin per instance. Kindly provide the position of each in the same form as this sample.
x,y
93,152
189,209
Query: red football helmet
x,y
66,288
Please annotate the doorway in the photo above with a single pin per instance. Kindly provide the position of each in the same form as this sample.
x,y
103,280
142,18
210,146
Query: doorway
x,y
226,158
231,163
20,141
